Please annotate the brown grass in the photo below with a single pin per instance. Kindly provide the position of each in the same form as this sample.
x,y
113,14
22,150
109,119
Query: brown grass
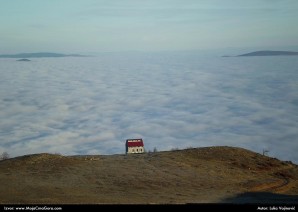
x,y
193,175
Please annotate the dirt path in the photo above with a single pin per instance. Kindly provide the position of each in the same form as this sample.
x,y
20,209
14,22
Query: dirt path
x,y
280,184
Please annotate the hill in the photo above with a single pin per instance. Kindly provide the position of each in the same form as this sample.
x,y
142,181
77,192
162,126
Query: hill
x,y
195,175
269,53
39,55
24,60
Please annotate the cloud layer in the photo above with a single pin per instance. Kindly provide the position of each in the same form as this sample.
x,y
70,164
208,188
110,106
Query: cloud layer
x,y
92,105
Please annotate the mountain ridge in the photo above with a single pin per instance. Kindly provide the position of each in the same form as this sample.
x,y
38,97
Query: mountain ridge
x,y
269,53
265,53
40,55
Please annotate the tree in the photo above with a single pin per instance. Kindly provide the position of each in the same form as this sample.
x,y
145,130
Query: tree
x,y
4,156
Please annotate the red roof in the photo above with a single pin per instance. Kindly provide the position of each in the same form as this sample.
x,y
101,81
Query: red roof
x,y
134,143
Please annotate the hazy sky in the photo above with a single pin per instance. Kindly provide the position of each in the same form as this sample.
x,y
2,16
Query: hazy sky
x,y
153,25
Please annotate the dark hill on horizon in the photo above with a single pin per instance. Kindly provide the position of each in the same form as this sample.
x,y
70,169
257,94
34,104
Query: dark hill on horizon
x,y
218,174
39,55
269,53
24,60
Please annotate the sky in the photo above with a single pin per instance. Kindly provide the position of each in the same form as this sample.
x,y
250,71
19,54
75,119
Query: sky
x,y
78,26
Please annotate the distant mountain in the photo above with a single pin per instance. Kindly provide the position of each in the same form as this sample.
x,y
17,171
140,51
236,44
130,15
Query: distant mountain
x,y
39,55
269,53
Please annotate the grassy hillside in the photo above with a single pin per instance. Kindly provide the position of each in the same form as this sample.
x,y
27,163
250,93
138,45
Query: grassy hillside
x,y
198,175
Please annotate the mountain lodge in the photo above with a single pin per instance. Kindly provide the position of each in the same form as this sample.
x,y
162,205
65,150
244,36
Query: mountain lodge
x,y
134,146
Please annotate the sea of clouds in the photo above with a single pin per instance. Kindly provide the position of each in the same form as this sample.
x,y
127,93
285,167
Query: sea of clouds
x,y
91,105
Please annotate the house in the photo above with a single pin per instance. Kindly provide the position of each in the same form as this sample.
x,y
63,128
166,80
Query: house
x,y
134,146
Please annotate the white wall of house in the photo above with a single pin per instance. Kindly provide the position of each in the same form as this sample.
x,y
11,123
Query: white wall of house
x,y
135,150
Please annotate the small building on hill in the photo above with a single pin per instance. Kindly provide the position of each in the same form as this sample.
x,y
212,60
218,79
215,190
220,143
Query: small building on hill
x,y
134,146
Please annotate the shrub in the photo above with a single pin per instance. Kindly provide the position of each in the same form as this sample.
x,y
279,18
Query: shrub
x,y
175,149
